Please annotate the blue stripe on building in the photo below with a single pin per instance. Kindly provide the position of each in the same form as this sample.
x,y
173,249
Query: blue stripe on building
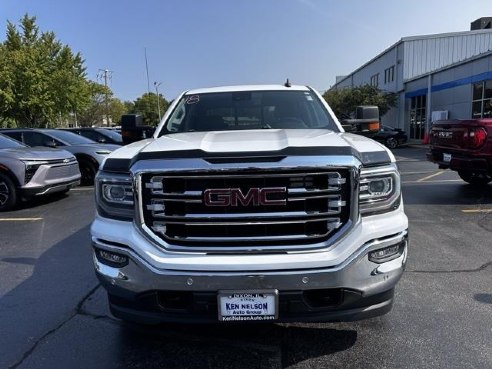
x,y
422,91
451,84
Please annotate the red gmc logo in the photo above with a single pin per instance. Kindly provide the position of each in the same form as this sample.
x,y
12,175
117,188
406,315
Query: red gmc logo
x,y
235,197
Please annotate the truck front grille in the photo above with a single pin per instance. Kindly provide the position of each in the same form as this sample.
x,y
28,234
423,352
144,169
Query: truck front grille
x,y
263,208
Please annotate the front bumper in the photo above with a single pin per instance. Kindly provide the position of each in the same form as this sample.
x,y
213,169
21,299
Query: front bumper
x,y
356,287
51,178
48,189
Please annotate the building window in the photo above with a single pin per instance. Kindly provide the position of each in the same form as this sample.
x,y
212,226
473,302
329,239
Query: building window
x,y
482,100
418,117
375,80
389,74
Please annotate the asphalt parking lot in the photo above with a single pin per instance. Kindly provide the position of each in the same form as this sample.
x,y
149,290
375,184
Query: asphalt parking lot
x,y
53,313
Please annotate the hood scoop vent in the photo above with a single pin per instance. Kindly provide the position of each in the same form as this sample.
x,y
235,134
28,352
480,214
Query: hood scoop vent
x,y
245,159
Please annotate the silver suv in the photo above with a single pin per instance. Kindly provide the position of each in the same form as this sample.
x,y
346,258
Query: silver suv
x,y
89,154
26,172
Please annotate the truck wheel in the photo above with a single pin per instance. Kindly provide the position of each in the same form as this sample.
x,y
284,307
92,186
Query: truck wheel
x,y
8,194
391,143
475,178
88,172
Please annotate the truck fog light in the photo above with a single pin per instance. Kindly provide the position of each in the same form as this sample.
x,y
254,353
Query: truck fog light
x,y
111,258
387,254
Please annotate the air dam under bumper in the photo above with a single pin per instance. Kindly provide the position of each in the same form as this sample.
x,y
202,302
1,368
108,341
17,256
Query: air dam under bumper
x,y
48,189
354,289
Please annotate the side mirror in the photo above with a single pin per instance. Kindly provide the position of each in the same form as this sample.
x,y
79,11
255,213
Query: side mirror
x,y
129,121
366,121
133,129
367,112
347,126
51,144
101,140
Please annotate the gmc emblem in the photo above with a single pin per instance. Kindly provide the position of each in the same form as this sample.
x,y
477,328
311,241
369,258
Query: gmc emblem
x,y
235,197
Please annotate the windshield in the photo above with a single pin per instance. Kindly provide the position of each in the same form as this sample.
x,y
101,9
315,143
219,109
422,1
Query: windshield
x,y
8,143
112,134
69,137
249,110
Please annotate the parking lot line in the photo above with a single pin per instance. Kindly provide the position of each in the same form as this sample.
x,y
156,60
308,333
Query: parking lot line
x,y
424,172
19,219
83,189
476,210
430,182
431,176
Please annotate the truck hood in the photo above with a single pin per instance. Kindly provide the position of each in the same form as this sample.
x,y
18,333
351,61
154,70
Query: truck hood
x,y
246,141
38,153
255,142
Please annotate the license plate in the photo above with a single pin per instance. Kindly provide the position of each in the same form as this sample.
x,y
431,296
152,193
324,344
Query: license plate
x,y
446,157
247,305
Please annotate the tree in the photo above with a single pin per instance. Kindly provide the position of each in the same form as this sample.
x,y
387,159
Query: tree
x,y
130,106
7,123
95,112
116,110
146,105
41,80
344,101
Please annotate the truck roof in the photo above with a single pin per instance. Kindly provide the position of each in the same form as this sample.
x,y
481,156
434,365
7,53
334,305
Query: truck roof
x,y
247,88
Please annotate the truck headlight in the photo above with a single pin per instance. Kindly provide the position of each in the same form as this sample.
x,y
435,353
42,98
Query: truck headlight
x,y
114,195
379,190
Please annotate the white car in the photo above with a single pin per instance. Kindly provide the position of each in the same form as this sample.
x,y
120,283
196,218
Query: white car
x,y
250,204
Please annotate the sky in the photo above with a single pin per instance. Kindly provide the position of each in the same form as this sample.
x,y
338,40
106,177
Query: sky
x,y
205,43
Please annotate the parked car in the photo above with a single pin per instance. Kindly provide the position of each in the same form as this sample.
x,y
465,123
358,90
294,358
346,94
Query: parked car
x,y
390,137
114,128
101,135
464,146
251,204
89,154
28,172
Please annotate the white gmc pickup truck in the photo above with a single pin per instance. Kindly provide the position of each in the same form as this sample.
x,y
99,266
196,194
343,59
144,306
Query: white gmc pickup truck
x,y
249,204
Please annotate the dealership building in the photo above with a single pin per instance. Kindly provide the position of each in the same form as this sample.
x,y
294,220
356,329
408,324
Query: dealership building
x,y
443,76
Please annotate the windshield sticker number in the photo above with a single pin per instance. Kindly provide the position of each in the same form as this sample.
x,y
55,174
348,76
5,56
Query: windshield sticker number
x,y
193,99
308,96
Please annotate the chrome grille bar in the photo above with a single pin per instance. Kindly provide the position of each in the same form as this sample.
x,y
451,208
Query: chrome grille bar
x,y
316,205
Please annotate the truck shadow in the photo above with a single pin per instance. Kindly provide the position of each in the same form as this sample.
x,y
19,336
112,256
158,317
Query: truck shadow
x,y
43,325
56,281
40,201
231,346
459,193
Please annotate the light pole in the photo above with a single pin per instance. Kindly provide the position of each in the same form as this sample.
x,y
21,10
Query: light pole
x,y
158,102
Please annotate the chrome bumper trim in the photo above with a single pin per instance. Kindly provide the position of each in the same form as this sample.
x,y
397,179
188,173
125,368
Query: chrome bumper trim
x,y
371,245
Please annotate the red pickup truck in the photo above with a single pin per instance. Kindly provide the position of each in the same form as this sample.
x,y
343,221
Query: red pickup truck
x,y
464,146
